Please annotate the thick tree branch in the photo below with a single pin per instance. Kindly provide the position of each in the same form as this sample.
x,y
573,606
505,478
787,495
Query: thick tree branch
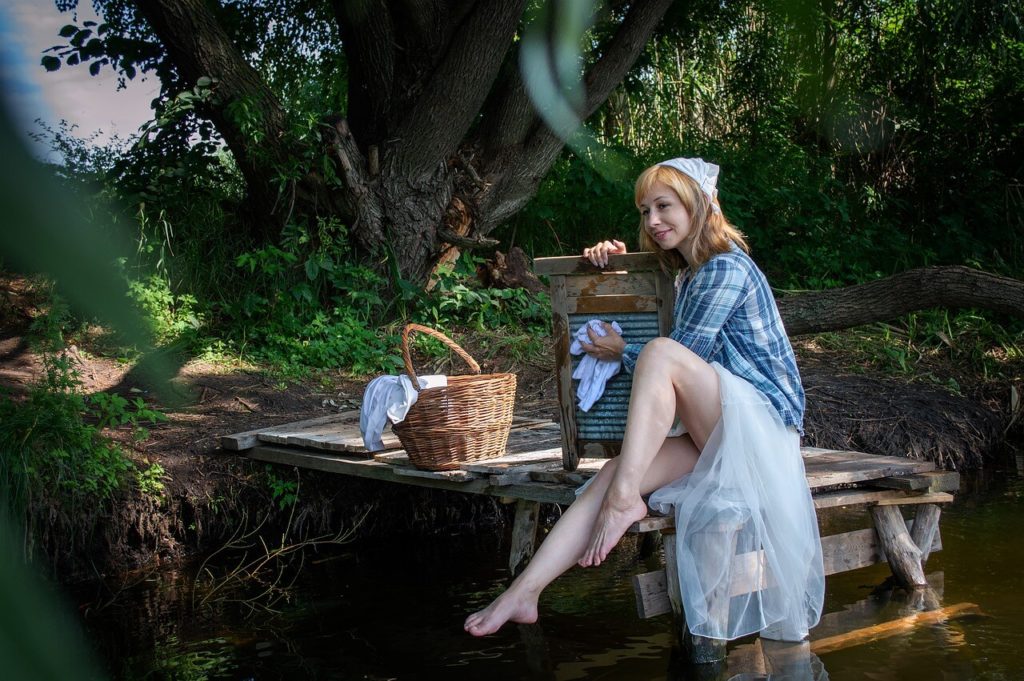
x,y
622,50
433,128
516,182
361,203
918,289
508,115
368,36
199,46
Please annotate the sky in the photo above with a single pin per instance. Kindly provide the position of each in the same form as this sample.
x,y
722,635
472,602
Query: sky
x,y
94,104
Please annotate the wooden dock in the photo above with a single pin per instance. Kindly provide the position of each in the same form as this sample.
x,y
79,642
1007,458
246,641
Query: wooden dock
x,y
532,472
532,468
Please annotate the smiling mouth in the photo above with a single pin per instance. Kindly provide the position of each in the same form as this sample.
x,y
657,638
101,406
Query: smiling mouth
x,y
662,234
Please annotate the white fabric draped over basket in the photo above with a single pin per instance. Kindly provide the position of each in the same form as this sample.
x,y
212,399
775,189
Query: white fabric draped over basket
x,y
746,529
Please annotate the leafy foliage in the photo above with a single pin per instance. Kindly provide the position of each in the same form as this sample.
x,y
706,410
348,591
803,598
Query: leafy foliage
x,y
53,449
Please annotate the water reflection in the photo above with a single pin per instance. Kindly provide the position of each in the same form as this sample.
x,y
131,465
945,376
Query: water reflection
x,y
395,612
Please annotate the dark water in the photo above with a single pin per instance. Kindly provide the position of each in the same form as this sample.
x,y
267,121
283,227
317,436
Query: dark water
x,y
395,612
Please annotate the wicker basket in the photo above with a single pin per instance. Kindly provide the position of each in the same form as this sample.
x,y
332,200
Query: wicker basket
x,y
467,420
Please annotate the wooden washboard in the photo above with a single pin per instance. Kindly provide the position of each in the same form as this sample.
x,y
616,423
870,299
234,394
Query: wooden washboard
x,y
633,291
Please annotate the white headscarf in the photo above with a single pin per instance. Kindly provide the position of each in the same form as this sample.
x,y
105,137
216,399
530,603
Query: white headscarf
x,y
703,173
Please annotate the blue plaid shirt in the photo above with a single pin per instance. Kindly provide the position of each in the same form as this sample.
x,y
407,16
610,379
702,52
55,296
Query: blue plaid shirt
x,y
726,313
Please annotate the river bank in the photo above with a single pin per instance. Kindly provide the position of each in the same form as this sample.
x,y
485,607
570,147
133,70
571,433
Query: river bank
x,y
207,497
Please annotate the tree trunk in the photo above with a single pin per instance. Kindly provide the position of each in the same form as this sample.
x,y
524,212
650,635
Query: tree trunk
x,y
440,143
199,46
900,294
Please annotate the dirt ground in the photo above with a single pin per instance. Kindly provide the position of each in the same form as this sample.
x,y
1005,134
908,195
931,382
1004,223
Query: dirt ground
x,y
849,406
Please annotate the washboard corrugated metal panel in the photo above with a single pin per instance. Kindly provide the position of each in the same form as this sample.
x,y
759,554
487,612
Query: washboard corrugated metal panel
x,y
633,291
605,421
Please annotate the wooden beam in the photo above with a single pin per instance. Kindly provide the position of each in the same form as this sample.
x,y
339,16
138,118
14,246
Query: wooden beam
x,y
892,628
561,341
926,526
840,553
932,481
902,554
845,497
609,305
651,592
524,536
574,264
611,283
929,498
249,439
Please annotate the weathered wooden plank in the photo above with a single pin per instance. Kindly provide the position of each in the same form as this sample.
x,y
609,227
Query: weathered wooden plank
x,y
666,295
357,467
933,481
892,628
609,305
610,283
453,475
870,496
510,462
330,438
809,452
840,553
340,433
561,338
397,457
538,491
368,468
926,498
866,467
560,476
242,441
651,593
574,264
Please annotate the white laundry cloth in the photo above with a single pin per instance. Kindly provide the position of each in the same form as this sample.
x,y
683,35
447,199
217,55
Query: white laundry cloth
x,y
389,398
591,372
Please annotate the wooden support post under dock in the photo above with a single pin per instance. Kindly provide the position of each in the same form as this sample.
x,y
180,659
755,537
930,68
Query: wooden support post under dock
x,y
524,535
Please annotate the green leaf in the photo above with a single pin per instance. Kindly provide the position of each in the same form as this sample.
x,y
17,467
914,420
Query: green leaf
x,y
204,81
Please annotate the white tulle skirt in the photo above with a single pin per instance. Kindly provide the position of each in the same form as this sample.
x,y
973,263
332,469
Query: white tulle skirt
x,y
747,545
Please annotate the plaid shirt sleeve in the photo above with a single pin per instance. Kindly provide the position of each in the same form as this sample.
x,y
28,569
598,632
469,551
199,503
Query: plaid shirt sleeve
x,y
715,292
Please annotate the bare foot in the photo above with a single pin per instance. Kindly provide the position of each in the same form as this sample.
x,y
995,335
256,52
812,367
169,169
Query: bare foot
x,y
508,607
611,523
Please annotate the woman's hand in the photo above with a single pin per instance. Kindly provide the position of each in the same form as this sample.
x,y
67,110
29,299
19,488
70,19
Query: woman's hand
x,y
598,253
606,347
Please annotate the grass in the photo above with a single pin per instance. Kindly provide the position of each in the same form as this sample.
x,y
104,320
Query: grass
x,y
941,347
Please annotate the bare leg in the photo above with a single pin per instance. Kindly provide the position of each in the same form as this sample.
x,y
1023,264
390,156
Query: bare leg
x,y
669,379
565,544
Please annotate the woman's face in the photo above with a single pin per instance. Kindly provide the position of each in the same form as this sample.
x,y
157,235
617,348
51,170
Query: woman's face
x,y
665,218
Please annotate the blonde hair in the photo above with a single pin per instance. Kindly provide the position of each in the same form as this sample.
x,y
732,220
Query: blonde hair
x,y
710,232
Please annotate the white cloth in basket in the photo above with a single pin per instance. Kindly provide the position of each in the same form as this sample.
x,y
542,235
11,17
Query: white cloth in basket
x,y
389,398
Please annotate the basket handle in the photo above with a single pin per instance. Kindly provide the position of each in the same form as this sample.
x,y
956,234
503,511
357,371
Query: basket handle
x,y
407,358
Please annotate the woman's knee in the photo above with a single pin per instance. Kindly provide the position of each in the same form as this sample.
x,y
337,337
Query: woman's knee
x,y
669,356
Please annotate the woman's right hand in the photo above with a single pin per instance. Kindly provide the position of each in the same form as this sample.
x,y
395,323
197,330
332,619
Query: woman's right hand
x,y
599,252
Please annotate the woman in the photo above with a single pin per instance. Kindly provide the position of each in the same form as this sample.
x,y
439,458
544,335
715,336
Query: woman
x,y
735,478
